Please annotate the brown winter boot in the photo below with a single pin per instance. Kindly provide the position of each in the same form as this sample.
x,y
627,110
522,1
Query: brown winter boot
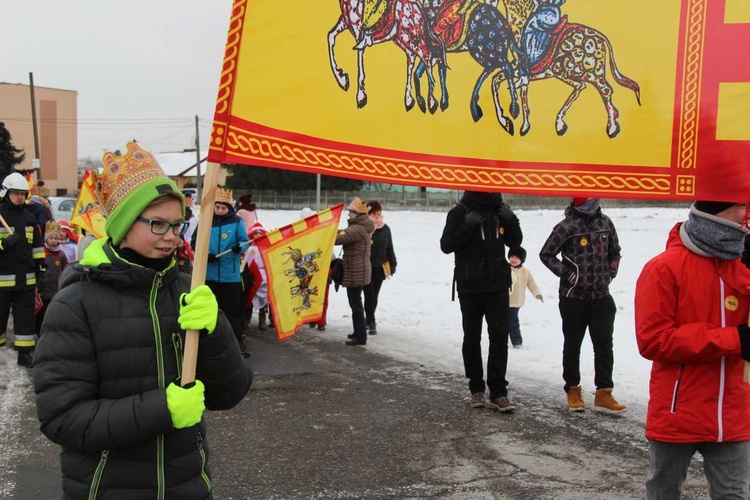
x,y
575,399
605,402
262,319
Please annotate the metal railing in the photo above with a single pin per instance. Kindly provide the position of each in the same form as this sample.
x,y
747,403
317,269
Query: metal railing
x,y
427,201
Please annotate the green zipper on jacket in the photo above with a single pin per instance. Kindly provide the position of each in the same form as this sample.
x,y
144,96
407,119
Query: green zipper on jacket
x,y
177,344
160,369
94,490
203,462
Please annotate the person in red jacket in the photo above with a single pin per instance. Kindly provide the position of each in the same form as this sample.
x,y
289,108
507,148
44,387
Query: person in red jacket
x,y
691,314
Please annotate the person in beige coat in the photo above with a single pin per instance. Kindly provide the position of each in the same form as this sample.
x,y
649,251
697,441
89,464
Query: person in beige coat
x,y
356,243
522,279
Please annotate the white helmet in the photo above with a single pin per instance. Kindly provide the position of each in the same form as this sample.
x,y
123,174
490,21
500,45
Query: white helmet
x,y
15,182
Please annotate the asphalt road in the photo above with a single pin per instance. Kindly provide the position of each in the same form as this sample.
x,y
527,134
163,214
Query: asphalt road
x,y
327,421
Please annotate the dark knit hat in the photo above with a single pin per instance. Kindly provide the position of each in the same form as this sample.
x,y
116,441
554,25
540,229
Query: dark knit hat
x,y
246,201
375,206
713,207
519,252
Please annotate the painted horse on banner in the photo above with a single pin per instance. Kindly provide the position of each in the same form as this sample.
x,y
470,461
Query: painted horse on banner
x,y
477,27
377,21
575,54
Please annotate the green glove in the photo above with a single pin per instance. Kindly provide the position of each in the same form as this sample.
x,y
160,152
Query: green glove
x,y
185,404
198,310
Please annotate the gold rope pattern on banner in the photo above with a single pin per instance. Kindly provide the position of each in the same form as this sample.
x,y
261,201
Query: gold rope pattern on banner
x,y
252,146
230,56
691,84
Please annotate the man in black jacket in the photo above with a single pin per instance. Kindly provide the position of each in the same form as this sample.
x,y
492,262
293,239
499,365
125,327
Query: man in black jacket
x,y
590,255
477,230
21,260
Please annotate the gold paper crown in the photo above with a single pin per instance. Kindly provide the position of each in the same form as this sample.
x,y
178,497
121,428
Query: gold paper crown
x,y
358,206
42,191
122,174
52,227
223,195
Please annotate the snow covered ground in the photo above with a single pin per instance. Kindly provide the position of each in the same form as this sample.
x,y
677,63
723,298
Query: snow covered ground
x,y
418,322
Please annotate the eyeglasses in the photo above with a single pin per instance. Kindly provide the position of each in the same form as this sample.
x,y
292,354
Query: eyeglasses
x,y
161,227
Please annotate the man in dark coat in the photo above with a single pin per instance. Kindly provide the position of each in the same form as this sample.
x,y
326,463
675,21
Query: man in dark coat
x,y
477,230
589,250
21,264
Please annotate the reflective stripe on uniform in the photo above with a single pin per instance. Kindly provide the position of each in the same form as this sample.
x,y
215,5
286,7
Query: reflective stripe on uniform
x,y
37,253
2,340
25,340
8,280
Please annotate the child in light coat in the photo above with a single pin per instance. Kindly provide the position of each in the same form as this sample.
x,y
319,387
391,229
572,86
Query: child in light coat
x,y
522,279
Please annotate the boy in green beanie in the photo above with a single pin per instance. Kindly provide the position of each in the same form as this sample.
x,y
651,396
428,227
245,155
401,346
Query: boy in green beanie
x,y
107,367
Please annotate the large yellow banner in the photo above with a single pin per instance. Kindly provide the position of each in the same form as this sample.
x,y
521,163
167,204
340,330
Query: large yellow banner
x,y
618,99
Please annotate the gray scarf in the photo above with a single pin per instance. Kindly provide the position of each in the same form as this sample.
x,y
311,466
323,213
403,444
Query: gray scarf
x,y
589,207
712,236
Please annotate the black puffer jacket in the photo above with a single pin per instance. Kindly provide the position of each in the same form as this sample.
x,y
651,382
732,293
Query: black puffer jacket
x,y
481,266
590,254
111,344
382,251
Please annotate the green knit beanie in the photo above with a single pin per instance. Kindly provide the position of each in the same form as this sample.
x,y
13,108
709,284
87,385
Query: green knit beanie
x,y
132,206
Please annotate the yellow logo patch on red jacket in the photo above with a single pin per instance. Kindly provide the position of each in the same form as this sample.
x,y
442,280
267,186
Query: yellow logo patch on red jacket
x,y
732,303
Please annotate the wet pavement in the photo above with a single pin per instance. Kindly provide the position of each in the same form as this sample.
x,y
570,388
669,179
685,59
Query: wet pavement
x,y
328,421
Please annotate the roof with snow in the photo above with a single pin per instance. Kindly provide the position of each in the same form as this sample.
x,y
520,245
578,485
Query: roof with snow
x,y
180,163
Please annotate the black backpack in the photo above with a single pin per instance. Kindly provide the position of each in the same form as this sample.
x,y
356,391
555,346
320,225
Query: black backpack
x,y
337,272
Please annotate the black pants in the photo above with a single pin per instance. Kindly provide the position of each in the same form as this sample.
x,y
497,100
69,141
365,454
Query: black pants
x,y
372,292
599,316
22,302
493,307
228,296
354,294
40,316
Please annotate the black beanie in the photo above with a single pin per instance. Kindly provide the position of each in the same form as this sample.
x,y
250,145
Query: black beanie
x,y
713,207
519,252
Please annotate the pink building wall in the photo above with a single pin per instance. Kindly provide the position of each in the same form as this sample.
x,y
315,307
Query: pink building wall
x,y
57,124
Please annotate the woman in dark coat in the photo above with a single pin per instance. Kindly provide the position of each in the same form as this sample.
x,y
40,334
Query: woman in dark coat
x,y
383,261
357,269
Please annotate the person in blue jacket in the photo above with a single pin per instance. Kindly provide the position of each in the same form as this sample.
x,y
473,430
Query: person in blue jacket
x,y
228,241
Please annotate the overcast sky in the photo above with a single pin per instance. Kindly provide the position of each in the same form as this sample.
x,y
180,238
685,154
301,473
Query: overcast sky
x,y
142,69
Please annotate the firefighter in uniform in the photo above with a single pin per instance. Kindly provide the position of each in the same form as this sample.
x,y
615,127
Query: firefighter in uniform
x,y
21,260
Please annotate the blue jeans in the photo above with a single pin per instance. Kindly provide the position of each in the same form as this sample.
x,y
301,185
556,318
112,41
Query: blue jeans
x,y
726,465
515,326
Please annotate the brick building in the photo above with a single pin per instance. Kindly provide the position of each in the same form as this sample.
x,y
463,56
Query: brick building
x,y
57,128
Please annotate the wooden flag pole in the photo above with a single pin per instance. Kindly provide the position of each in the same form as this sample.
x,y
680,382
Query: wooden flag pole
x,y
190,356
5,225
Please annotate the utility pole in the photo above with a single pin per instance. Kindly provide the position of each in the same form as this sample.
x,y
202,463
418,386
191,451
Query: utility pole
x,y
197,160
35,162
317,193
